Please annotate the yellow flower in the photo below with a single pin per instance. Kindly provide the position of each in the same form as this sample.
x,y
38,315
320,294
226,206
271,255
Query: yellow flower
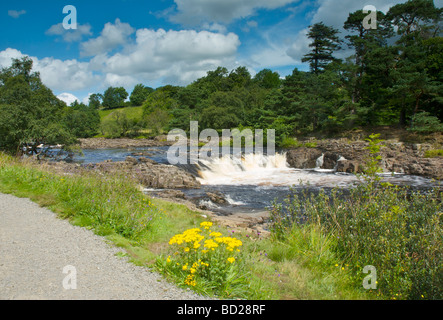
x,y
187,249
185,267
210,244
206,225
193,270
168,260
196,245
215,234
231,259
190,281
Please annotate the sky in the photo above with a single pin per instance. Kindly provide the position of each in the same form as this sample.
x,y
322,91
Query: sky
x,y
122,43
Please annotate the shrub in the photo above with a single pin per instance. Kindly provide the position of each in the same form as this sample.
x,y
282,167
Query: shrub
x,y
206,261
423,122
434,153
397,230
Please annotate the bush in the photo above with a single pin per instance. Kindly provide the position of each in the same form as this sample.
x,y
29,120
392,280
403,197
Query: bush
x,y
423,122
434,153
394,229
206,261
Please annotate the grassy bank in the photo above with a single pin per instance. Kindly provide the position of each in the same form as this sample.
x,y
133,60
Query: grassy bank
x,y
132,113
395,232
113,206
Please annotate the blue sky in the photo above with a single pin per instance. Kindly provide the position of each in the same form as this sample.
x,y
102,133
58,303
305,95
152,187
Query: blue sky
x,y
126,42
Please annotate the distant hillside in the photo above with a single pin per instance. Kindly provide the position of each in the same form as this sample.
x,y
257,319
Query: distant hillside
x,y
131,113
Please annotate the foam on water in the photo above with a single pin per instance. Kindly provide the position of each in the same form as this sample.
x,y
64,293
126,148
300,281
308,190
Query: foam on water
x,y
274,171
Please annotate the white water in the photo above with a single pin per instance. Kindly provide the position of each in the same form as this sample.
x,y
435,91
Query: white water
x,y
273,171
262,170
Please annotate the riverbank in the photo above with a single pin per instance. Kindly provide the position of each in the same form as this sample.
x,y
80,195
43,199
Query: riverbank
x,y
103,143
399,155
113,206
349,156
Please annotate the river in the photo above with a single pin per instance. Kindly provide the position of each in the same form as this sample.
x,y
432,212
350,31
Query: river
x,y
250,183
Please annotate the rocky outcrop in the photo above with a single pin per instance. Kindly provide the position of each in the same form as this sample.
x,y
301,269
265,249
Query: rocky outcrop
x,y
217,197
303,158
345,156
147,172
123,143
154,175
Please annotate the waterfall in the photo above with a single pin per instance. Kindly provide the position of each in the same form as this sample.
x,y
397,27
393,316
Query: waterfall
x,y
264,171
319,162
229,168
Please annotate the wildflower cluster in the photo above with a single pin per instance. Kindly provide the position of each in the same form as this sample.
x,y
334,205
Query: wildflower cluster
x,y
202,255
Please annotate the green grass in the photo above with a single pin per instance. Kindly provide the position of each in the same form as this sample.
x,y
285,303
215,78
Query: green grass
x,y
114,207
396,230
131,113
434,153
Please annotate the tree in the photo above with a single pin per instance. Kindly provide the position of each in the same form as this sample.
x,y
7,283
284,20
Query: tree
x,y
414,16
114,97
162,98
417,21
325,42
82,121
364,41
239,78
268,79
95,100
217,118
30,114
139,94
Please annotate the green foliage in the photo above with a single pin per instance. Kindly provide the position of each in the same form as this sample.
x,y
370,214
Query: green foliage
x,y
82,121
434,153
118,125
114,97
29,111
207,262
268,79
397,231
423,122
139,95
95,100
324,42
111,206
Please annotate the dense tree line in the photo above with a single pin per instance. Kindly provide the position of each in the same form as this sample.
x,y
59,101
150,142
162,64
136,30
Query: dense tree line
x,y
393,77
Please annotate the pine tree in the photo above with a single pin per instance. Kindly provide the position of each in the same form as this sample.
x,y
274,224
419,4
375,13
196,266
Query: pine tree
x,y
325,42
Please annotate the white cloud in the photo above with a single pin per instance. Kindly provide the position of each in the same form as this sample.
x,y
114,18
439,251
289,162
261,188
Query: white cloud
x,y
68,98
178,55
62,75
112,36
71,35
193,12
86,98
7,55
16,14
214,27
300,46
58,75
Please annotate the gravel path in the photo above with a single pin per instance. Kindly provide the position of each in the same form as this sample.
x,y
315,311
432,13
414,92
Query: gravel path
x,y
36,247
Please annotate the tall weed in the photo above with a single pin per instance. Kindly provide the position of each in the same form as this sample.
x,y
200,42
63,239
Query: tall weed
x,y
394,229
